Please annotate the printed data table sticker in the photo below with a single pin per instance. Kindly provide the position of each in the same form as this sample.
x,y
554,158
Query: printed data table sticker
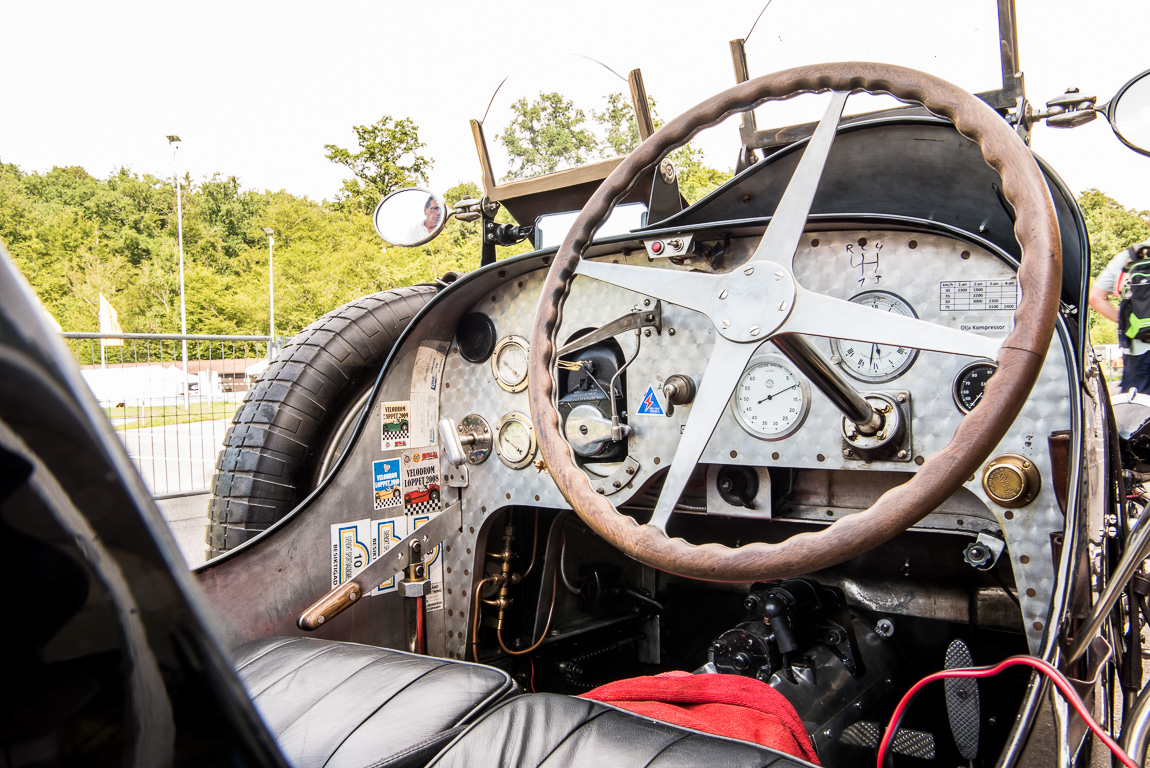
x,y
395,425
434,564
424,419
350,549
385,484
422,483
384,533
427,375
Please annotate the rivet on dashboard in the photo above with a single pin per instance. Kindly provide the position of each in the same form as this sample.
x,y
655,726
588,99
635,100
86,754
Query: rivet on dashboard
x,y
782,306
749,271
780,275
754,330
725,324
723,295
670,331
600,490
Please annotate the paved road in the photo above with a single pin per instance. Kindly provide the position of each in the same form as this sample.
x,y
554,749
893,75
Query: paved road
x,y
178,458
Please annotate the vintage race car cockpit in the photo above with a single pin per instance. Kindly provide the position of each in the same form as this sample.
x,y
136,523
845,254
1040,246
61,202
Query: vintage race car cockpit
x,y
833,428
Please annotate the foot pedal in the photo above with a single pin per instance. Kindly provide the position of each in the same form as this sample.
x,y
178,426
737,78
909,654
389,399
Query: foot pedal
x,y
907,741
962,707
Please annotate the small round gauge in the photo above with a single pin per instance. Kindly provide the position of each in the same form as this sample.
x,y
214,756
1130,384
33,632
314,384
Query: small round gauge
x,y
515,440
970,385
876,362
509,363
771,401
476,335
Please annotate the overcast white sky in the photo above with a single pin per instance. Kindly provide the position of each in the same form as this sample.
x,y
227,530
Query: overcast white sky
x,y
255,89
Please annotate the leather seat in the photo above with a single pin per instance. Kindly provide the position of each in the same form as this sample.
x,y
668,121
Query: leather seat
x,y
549,730
343,705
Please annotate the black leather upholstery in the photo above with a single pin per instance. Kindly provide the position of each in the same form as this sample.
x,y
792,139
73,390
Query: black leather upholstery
x,y
342,705
559,731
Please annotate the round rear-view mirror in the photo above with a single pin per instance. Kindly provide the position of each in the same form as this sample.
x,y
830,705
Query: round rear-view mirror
x,y
1129,114
409,216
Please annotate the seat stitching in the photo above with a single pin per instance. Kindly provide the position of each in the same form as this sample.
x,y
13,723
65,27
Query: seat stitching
x,y
293,670
572,732
666,746
381,705
285,641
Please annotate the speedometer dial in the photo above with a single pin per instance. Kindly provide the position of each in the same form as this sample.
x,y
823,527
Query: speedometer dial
x,y
876,362
771,401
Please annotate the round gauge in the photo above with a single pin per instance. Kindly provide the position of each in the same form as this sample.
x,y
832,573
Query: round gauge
x,y
771,401
876,362
515,440
970,385
509,363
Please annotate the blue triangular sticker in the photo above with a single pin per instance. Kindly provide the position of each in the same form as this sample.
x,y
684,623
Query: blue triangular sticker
x,y
650,404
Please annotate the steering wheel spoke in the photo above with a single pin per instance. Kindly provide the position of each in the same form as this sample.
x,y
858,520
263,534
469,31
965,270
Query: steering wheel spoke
x,y
692,290
817,314
728,359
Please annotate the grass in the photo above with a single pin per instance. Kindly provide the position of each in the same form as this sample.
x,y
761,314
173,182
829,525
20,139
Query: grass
x,y
140,417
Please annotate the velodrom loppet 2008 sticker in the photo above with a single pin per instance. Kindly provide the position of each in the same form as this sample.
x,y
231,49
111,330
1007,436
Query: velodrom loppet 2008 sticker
x,y
385,484
422,482
395,425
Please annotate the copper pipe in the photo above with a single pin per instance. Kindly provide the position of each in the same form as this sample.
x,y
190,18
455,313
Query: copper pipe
x,y
475,621
542,637
534,542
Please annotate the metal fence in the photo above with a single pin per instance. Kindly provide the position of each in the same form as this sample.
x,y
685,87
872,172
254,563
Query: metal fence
x,y
171,397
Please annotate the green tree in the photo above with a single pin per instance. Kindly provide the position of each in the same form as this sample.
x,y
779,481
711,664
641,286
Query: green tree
x,y
388,159
545,136
621,136
1112,228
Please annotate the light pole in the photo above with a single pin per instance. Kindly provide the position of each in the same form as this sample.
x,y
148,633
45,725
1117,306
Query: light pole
x,y
271,294
174,141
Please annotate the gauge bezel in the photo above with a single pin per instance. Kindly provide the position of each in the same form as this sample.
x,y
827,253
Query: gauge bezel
x,y
532,445
504,343
962,373
903,367
804,387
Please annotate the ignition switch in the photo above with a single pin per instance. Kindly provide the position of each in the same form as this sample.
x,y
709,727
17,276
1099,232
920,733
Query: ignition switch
x,y
738,486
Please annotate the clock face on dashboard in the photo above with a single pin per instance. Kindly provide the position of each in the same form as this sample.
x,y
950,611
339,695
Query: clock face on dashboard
x,y
876,363
771,401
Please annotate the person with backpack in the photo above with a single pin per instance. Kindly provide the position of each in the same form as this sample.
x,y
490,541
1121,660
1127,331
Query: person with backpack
x,y
1128,277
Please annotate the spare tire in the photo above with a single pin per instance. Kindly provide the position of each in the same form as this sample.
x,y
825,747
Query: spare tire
x,y
297,419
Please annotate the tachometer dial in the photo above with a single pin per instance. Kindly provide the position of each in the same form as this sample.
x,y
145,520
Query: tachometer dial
x,y
970,385
876,362
509,363
515,440
771,401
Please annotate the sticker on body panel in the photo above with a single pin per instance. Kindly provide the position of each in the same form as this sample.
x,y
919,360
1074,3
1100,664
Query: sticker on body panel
x,y
422,482
350,549
384,533
385,484
395,425
650,405
434,563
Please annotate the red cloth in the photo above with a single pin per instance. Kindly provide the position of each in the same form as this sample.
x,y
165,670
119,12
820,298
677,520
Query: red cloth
x,y
725,705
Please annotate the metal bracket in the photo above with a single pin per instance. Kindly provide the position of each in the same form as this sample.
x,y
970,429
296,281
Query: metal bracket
x,y
651,317
617,480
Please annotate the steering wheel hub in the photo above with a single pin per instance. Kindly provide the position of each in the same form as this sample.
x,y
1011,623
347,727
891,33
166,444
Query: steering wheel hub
x,y
753,301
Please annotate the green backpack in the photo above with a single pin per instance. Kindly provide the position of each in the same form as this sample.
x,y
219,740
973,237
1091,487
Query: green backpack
x,y
1134,310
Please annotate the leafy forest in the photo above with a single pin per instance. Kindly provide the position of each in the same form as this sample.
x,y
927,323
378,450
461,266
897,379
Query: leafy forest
x,y
75,236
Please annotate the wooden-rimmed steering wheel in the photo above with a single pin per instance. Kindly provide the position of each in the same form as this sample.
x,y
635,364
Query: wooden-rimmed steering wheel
x,y
761,299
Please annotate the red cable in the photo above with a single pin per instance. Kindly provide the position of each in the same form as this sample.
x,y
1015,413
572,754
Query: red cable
x,y
1055,676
